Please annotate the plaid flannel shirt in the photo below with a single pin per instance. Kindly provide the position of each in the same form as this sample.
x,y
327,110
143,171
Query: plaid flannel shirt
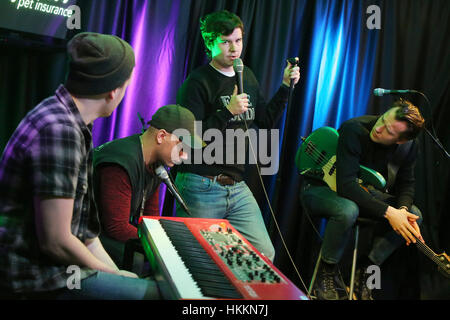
x,y
49,155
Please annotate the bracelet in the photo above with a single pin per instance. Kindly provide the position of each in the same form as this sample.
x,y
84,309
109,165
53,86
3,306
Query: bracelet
x,y
403,207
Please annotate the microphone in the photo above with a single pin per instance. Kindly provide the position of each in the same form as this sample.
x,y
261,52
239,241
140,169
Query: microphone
x,y
238,68
294,63
381,92
161,173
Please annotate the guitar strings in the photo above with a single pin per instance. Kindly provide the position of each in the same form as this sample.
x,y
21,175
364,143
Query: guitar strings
x,y
315,151
427,250
320,155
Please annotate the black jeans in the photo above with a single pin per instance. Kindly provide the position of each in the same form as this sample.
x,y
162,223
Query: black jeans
x,y
341,214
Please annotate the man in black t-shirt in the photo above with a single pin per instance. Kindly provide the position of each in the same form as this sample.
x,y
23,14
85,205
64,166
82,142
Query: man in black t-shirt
x,y
215,189
374,142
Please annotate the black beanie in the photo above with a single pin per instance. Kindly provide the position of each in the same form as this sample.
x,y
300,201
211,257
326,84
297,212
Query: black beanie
x,y
98,63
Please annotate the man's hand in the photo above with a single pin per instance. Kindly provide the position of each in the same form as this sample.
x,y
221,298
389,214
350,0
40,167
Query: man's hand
x,y
53,229
126,273
238,103
404,223
291,72
413,223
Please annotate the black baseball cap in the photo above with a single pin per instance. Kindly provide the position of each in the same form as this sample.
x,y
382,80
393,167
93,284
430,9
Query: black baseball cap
x,y
179,121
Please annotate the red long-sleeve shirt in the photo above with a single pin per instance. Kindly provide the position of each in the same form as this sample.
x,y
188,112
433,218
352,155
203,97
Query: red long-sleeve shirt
x,y
115,202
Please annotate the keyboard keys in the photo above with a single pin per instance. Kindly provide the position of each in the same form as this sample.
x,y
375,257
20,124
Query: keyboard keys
x,y
208,276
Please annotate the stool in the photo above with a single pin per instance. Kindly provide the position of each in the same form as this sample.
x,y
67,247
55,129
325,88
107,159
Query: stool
x,y
358,223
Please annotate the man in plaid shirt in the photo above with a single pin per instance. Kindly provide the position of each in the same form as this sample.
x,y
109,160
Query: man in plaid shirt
x,y
48,220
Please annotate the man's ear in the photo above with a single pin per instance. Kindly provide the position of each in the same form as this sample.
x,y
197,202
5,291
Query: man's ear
x,y
209,44
111,95
160,135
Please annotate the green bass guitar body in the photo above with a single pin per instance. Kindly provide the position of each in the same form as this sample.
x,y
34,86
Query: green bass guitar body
x,y
317,157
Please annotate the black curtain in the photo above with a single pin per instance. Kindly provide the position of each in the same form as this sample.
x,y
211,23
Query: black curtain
x,y
27,76
412,52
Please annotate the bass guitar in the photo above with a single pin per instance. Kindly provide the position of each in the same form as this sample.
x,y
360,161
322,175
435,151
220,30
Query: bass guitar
x,y
441,260
317,157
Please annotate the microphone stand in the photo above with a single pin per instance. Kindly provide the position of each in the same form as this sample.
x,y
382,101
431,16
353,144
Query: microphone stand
x,y
294,62
433,135
142,122
438,143
162,174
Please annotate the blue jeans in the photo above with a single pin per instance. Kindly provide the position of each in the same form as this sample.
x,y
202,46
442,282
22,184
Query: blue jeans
x,y
341,214
208,199
108,286
98,286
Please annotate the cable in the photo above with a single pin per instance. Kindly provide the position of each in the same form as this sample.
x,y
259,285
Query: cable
x,y
272,213
432,134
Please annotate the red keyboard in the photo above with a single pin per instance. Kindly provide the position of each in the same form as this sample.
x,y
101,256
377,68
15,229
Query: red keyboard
x,y
195,258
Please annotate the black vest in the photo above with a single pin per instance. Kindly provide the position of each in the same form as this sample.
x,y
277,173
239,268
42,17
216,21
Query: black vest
x,y
127,153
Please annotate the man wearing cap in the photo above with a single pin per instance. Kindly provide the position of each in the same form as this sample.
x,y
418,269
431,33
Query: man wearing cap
x,y
49,226
124,173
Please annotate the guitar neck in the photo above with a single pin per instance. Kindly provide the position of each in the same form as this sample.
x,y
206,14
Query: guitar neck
x,y
427,251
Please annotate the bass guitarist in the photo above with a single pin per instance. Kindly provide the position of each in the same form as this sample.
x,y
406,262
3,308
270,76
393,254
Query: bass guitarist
x,y
385,144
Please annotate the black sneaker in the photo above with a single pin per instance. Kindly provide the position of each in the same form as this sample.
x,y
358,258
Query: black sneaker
x,y
325,287
361,291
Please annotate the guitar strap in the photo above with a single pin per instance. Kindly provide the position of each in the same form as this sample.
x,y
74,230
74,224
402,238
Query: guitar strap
x,y
396,161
